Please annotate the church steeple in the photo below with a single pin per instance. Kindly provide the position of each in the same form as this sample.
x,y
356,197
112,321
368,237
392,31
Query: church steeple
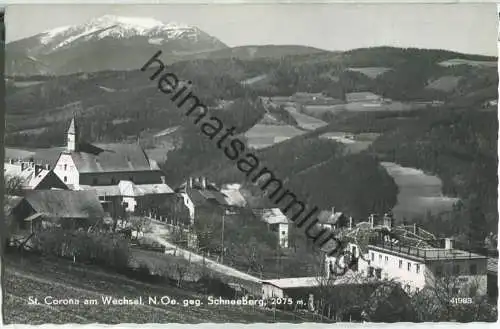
x,y
72,136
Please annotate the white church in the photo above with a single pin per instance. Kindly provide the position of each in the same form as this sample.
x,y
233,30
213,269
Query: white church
x,y
116,172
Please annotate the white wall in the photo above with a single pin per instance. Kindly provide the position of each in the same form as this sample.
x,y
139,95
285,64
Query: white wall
x,y
426,272
131,203
395,267
464,279
70,171
355,251
283,235
269,291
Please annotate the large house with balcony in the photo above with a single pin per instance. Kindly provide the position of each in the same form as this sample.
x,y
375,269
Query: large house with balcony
x,y
415,258
461,271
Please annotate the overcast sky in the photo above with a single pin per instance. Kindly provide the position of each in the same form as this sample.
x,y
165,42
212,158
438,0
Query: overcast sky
x,y
469,28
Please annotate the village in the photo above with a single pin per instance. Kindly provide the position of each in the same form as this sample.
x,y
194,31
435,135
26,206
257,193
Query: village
x,y
118,188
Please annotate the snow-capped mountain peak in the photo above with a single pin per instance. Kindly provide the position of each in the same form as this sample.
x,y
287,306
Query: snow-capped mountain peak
x,y
116,27
108,42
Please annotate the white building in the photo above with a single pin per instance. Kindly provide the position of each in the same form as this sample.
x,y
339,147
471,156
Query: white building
x,y
417,267
277,222
33,176
114,171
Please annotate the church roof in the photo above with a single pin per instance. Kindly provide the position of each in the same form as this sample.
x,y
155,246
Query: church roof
x,y
72,128
112,158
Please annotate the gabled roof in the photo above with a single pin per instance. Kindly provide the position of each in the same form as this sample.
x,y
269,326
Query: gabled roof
x,y
201,197
112,158
31,177
72,128
65,204
271,216
128,189
233,195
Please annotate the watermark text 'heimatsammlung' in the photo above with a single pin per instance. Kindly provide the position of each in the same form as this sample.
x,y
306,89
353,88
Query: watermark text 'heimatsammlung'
x,y
247,162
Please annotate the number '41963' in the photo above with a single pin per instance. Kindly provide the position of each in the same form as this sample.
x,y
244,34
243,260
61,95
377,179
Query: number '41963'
x,y
460,300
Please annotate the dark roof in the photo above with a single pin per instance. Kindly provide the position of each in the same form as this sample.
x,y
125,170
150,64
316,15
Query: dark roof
x,y
111,158
205,197
65,204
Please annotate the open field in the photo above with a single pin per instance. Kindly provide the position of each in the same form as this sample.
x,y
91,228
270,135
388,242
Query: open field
x,y
418,192
354,143
38,277
305,121
459,61
446,83
371,72
260,135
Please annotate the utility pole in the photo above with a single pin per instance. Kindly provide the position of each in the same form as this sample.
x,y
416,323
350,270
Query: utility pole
x,y
222,238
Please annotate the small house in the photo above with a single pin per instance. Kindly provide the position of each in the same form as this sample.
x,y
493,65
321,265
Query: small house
x,y
277,222
65,208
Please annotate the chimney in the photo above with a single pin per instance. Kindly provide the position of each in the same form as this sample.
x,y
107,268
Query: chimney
x,y
162,179
372,220
47,167
190,182
333,210
350,222
11,161
23,166
388,220
448,244
203,182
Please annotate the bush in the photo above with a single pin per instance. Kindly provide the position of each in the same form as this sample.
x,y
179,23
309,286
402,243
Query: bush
x,y
108,249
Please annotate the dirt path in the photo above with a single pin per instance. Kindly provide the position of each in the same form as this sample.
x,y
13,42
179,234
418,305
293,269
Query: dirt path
x,y
213,265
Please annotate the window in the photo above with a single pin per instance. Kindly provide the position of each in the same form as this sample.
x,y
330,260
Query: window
x,y
65,179
473,269
378,273
409,266
386,259
65,167
373,256
283,232
370,271
380,258
400,264
102,198
417,268
456,269
454,291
